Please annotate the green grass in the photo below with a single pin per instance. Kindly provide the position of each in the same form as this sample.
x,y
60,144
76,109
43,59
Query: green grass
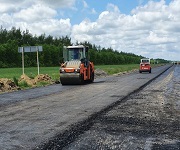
x,y
53,72
12,73
24,85
113,69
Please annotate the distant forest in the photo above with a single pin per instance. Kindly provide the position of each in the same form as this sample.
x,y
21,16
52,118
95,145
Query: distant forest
x,y
52,52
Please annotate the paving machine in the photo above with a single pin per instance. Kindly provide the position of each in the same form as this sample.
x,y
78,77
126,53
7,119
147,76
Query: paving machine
x,y
76,68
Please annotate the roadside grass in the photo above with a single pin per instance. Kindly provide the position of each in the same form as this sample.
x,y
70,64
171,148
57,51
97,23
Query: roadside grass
x,y
42,83
32,72
53,72
113,69
24,85
15,73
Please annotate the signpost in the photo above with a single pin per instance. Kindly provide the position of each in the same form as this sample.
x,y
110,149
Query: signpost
x,y
30,49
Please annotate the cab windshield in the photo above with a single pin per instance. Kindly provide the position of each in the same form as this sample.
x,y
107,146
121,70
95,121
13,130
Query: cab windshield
x,y
75,53
145,60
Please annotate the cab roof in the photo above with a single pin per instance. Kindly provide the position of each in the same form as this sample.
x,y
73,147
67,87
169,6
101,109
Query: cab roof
x,y
77,46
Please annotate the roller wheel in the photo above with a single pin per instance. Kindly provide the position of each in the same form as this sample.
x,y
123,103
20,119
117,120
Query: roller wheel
x,y
150,71
81,79
92,77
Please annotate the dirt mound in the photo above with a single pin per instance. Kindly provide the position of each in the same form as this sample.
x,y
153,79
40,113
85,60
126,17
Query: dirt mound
x,y
99,72
43,77
38,78
25,78
7,85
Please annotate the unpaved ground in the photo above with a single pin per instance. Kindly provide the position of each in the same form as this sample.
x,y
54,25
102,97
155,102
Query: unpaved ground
x,y
7,85
147,120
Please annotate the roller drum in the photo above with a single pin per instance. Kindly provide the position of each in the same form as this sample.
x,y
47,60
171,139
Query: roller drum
x,y
71,78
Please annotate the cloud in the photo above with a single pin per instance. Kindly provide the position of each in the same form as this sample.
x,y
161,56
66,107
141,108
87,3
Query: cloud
x,y
35,13
52,27
38,16
85,4
57,3
11,6
93,11
154,39
6,21
152,30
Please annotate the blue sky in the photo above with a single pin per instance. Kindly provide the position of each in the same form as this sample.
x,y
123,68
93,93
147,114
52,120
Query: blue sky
x,y
125,7
150,28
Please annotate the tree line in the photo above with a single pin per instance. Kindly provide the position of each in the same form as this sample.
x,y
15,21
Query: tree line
x,y
52,52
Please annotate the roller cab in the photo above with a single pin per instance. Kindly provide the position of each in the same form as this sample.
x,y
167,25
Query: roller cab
x,y
76,68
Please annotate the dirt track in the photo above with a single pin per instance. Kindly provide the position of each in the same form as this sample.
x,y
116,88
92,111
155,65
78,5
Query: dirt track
x,y
36,116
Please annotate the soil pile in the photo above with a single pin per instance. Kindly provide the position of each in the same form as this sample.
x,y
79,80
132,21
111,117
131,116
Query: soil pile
x,y
7,85
28,80
99,72
38,78
43,77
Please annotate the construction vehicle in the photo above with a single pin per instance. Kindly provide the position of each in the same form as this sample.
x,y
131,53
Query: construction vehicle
x,y
76,68
145,65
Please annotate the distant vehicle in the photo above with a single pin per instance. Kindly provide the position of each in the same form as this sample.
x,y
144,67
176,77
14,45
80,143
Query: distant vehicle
x,y
145,65
77,68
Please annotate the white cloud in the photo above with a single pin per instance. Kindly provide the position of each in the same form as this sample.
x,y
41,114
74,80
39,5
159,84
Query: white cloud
x,y
38,16
6,21
85,4
93,11
152,30
57,3
35,13
49,27
11,6
154,39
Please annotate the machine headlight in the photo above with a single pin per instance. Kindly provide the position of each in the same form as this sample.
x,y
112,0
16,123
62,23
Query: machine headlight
x,y
61,70
77,70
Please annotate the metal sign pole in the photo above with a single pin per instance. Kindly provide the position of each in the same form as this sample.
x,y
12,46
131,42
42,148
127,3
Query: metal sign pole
x,y
22,60
37,60
25,49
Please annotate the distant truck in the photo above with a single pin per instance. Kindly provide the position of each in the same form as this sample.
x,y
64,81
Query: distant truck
x,y
145,65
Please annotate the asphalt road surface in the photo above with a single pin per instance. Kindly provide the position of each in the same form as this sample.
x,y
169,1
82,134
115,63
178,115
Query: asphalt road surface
x,y
55,117
146,120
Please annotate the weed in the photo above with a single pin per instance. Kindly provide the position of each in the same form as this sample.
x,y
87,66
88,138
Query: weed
x,y
42,83
15,81
24,84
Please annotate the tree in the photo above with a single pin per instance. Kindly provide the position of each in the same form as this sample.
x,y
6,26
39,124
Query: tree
x,y
53,50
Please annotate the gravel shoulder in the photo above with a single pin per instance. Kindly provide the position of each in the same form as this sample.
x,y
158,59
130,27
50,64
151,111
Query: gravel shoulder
x,y
43,113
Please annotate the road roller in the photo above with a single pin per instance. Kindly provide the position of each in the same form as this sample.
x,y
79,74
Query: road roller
x,y
76,68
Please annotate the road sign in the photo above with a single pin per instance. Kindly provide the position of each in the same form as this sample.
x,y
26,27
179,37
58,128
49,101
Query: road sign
x,y
30,49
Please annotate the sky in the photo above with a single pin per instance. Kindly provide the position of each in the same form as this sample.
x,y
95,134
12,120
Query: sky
x,y
150,28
